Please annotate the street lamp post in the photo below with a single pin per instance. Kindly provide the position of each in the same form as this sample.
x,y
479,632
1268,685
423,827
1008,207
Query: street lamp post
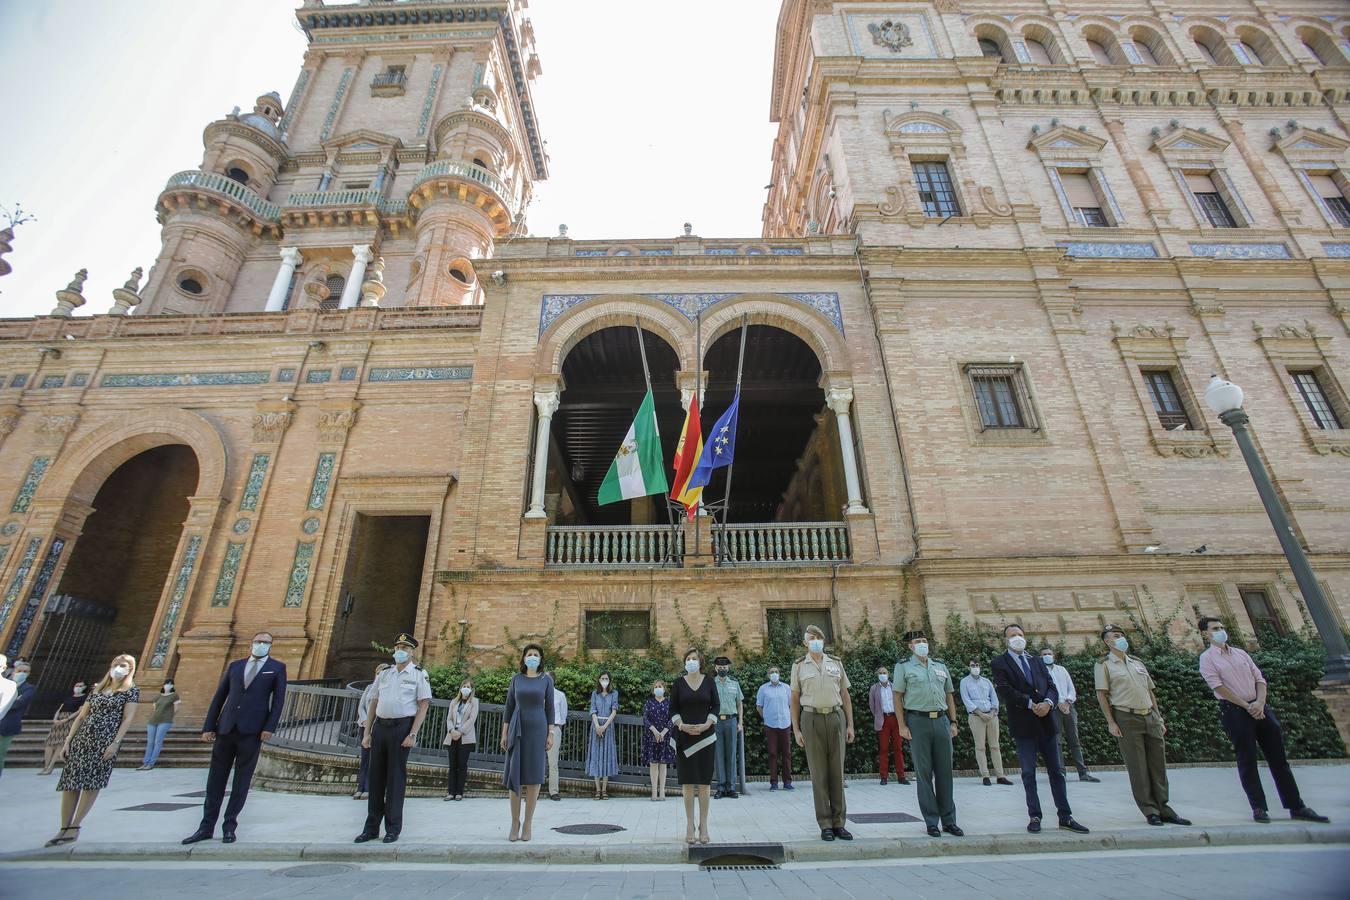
x,y
1225,398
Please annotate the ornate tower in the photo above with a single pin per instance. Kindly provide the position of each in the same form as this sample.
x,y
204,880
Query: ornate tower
x,y
409,136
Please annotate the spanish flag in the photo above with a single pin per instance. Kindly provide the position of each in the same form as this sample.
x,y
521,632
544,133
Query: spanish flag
x,y
687,453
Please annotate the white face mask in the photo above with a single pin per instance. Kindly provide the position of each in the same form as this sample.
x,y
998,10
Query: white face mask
x,y
20,677
1219,637
261,648
119,672
816,645
1017,643
921,649
604,682
883,677
659,692
465,692
691,666
1048,659
531,662
1122,644
773,676
168,689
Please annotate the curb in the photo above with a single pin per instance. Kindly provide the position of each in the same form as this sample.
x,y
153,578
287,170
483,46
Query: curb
x,y
674,853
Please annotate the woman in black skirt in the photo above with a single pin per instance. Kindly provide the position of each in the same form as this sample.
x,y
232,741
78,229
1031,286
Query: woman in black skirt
x,y
693,712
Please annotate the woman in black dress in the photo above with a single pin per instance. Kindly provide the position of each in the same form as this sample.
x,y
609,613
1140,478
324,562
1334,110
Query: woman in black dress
x,y
693,712
91,748
526,736
61,723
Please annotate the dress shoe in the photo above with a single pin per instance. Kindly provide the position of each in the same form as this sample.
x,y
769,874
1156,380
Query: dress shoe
x,y
201,834
1005,781
1153,819
788,787
986,782
827,834
1175,819
718,795
731,795
1088,776
843,834
883,779
934,831
1260,815
954,829
902,781
1072,824
555,796
228,838
1307,814
1034,826
390,838
363,837
773,787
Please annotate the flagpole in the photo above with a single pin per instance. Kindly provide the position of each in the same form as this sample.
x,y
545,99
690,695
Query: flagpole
x,y
731,466
698,393
642,349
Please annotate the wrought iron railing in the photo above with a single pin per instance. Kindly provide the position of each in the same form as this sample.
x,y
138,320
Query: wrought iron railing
x,y
781,543
367,197
219,184
614,546
443,167
387,79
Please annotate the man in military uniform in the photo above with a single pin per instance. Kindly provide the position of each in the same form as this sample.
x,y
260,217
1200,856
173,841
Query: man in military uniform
x,y
730,719
923,689
1125,694
402,695
822,722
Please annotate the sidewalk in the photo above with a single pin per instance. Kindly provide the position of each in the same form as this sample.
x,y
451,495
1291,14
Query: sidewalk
x,y
145,814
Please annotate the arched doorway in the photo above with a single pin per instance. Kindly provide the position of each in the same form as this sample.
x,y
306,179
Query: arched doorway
x,y
108,596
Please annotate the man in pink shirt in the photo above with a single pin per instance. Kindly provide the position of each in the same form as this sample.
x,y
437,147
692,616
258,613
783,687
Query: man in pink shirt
x,y
1240,689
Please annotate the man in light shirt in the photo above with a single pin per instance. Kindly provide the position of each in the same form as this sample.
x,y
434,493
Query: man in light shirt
x,y
881,700
1066,711
556,726
774,702
1240,688
981,702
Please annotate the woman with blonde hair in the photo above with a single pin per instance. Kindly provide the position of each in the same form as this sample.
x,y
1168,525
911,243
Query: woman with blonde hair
x,y
91,748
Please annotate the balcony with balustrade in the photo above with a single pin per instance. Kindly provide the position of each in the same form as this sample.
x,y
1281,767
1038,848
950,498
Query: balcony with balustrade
x,y
195,189
467,183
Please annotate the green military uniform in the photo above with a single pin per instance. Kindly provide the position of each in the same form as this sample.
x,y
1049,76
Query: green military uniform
x,y
1129,691
926,688
821,687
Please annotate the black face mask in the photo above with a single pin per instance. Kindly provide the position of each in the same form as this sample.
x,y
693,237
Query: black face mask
x,y
723,671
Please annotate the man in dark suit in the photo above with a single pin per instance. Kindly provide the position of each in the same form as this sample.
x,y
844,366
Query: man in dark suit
x,y
12,723
243,713
1025,686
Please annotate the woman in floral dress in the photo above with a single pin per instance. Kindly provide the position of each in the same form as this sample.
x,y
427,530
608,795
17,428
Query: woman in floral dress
x,y
657,750
91,748
602,757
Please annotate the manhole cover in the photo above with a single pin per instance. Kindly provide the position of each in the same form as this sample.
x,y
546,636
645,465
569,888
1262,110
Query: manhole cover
x,y
158,807
881,818
318,870
587,829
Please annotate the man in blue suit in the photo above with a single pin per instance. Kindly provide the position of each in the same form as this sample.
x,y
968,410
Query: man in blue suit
x,y
1025,686
243,713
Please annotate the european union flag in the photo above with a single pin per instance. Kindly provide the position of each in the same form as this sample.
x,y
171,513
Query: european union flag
x,y
719,446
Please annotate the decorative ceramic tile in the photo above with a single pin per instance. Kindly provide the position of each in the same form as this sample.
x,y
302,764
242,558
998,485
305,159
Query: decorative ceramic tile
x,y
347,373
689,305
79,379
295,587
318,376
429,100
310,525
180,586
336,104
36,469
229,571
18,381
429,373
1122,250
20,576
4,554
1337,250
296,93
257,472
11,528
323,480
241,526
787,251
36,596
183,379
52,381
592,253
658,251
827,304
285,376
719,251
1241,251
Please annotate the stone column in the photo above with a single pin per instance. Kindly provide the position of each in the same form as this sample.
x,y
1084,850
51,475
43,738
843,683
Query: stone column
x,y
372,292
839,399
351,292
290,260
546,402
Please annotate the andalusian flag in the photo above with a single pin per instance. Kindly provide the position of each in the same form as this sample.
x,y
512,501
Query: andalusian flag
x,y
687,453
638,469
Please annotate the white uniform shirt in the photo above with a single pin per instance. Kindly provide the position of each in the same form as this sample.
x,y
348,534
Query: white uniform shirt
x,y
397,693
559,708
1063,684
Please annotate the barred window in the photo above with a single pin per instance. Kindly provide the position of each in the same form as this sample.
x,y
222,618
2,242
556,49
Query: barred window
x,y
335,285
1162,390
935,190
1001,397
618,629
1082,197
1260,611
787,626
1310,389
1326,187
1211,200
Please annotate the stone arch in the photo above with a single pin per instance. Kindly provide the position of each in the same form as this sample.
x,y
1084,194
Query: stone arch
x,y
590,316
818,332
83,468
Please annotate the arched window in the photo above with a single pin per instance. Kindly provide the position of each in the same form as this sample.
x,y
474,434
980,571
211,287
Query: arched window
x,y
1312,49
1099,53
1253,57
1150,46
1039,55
1321,47
234,173
335,285
1206,52
990,48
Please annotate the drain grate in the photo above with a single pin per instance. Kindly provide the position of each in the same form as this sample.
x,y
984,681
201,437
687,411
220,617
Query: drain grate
x,y
588,828
158,807
739,867
318,870
881,818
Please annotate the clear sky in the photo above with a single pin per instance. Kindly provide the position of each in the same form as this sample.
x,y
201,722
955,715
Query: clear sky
x,y
655,114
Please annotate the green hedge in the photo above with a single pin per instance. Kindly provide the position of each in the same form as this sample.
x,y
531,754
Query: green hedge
x,y
1292,664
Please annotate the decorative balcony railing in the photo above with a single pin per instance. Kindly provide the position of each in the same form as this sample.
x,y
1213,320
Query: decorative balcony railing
x,y
456,169
367,197
781,543
613,546
215,183
387,79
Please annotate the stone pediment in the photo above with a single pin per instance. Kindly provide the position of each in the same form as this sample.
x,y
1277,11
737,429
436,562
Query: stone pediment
x,y
1063,140
362,139
1304,145
1190,140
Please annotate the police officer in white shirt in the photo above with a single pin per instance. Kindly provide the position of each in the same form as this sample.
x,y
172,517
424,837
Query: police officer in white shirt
x,y
556,726
402,695
1067,711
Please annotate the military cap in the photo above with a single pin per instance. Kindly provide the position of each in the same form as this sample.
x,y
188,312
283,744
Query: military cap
x,y
914,635
721,661
1110,628
405,638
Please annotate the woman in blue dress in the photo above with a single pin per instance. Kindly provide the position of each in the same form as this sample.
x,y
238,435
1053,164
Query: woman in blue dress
x,y
526,736
602,757
657,750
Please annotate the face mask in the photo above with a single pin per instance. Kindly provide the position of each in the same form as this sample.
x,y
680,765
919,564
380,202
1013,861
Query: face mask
x,y
400,656
261,648
1017,642
816,645
883,677
921,649
465,692
1121,644
773,676
1219,637
691,666
79,690
604,682
168,689
119,672
659,692
531,662
1048,659
20,677
975,670
724,671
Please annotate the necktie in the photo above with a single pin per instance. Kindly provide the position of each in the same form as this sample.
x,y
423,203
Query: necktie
x,y
250,672
1026,667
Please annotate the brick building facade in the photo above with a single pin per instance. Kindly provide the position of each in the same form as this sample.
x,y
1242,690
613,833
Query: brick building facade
x,y
1005,248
